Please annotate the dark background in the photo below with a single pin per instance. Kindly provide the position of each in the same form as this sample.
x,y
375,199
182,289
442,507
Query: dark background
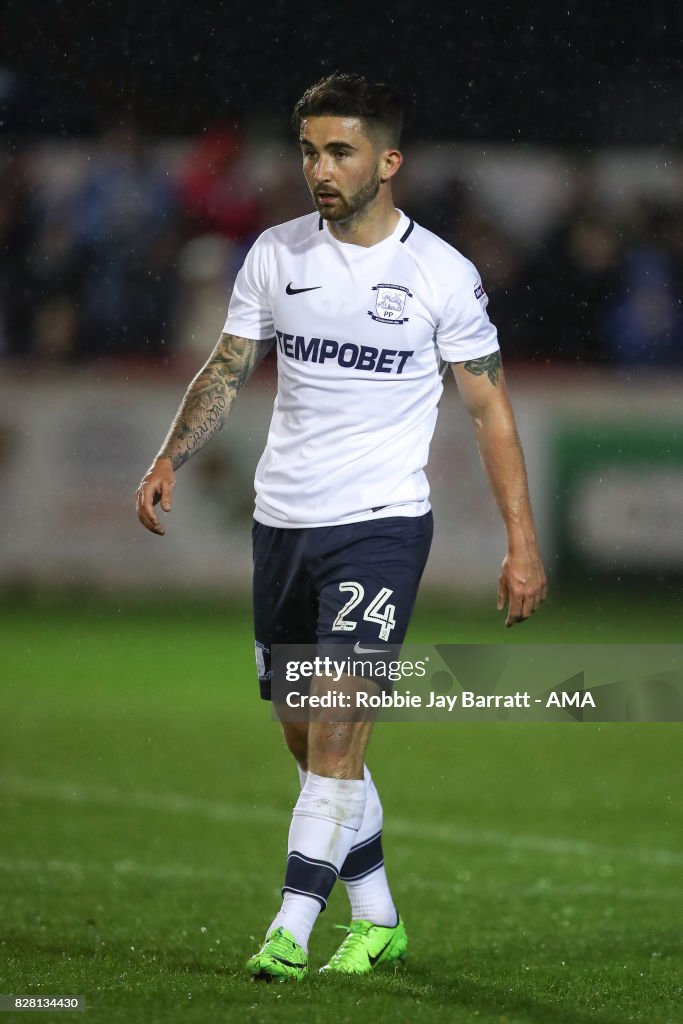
x,y
575,73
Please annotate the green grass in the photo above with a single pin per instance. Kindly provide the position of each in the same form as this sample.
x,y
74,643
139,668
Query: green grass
x,y
145,797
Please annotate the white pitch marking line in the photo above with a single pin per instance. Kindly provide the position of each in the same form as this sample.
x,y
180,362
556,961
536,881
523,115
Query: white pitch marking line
x,y
176,803
186,872
451,835
566,892
122,868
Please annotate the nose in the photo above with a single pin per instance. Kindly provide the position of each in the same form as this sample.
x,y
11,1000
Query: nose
x,y
322,168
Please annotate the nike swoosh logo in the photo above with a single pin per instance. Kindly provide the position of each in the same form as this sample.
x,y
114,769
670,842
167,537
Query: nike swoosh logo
x,y
289,963
373,959
298,291
357,649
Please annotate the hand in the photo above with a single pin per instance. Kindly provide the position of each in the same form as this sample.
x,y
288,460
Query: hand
x,y
156,486
522,585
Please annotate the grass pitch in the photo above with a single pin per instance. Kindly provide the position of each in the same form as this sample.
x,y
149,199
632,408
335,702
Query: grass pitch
x,y
145,798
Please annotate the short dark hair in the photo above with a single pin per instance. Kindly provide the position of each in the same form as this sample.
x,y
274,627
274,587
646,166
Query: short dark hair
x,y
346,95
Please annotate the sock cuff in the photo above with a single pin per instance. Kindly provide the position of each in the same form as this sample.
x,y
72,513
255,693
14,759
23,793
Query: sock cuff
x,y
339,800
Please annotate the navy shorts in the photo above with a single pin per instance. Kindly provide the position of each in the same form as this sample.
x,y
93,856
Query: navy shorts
x,y
333,584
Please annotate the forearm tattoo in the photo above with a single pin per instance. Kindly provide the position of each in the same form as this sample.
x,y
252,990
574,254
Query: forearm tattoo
x,y
491,365
211,395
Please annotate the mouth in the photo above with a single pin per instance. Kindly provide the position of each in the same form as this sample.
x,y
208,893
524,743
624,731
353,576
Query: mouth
x,y
326,198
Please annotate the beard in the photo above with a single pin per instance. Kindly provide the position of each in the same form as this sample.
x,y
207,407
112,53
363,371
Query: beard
x,y
354,204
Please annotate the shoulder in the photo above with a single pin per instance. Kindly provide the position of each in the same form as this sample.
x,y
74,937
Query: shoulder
x,y
444,263
291,235
290,232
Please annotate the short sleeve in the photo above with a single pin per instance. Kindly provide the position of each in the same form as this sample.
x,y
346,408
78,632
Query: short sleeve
x,y
250,313
464,330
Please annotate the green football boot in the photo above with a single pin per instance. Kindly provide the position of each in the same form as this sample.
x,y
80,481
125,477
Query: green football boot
x,y
367,946
281,958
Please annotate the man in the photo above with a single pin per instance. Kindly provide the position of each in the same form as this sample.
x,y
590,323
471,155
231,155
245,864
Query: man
x,y
364,308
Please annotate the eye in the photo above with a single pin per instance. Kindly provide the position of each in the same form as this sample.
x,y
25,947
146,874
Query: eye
x,y
340,154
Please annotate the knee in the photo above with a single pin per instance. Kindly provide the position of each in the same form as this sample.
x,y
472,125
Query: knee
x,y
335,758
337,750
335,765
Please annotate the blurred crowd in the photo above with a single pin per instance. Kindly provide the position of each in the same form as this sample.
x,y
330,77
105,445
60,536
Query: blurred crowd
x,y
600,287
134,256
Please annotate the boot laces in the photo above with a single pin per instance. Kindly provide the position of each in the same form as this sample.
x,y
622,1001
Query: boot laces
x,y
279,944
356,932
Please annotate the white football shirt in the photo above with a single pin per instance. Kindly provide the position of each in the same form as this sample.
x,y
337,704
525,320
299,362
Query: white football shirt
x,y
362,336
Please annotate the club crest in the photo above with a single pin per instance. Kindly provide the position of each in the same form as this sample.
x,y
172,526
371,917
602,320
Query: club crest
x,y
390,302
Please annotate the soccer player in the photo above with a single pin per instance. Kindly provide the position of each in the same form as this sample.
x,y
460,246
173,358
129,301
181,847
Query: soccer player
x,y
365,309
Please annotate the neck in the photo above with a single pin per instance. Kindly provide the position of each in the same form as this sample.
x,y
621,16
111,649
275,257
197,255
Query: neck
x,y
371,225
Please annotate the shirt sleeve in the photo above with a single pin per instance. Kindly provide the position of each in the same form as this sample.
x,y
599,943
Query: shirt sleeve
x,y
465,331
250,313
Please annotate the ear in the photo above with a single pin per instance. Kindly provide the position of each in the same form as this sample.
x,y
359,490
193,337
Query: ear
x,y
389,163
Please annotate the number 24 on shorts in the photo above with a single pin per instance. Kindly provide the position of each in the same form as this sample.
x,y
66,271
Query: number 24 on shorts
x,y
372,613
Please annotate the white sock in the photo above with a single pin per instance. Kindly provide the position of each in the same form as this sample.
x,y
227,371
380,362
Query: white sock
x,y
325,823
363,873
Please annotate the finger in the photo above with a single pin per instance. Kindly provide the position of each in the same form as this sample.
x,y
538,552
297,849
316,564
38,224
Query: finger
x,y
515,610
152,523
166,495
502,594
533,600
145,513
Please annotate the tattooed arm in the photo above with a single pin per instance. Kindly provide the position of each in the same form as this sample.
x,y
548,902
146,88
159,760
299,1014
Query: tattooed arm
x,y
522,582
207,402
